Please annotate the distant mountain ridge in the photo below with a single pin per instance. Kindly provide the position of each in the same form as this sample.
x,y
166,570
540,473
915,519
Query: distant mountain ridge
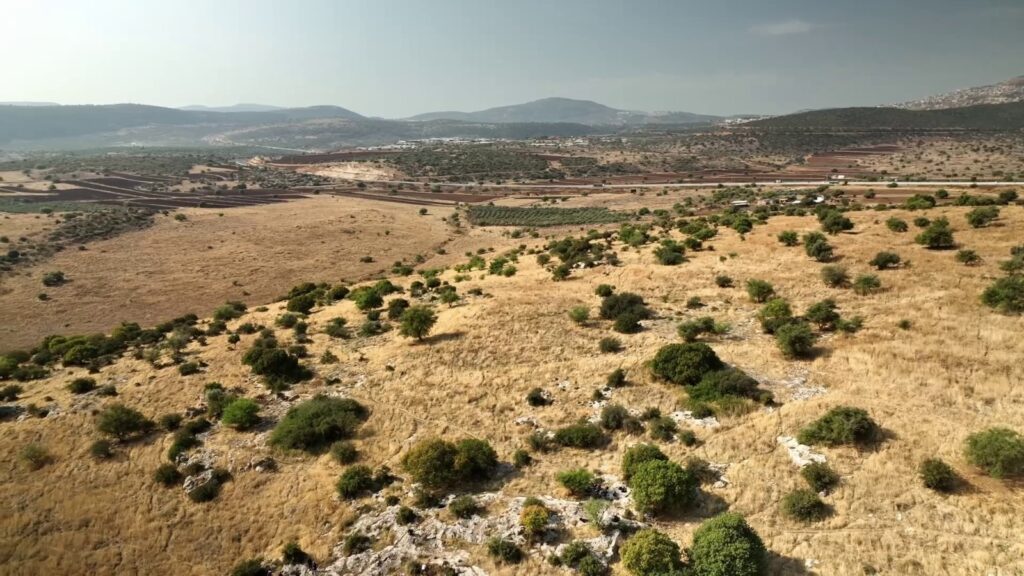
x,y
1011,90
240,107
567,110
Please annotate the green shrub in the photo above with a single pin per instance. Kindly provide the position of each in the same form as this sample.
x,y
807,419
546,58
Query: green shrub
x,y
723,281
804,505
817,247
355,543
431,462
999,452
627,323
1005,295
937,236
834,276
624,303
663,428
727,546
638,454
10,393
122,422
416,322
841,425
241,414
521,459
101,450
823,314
279,368
759,290
690,330
968,257
896,225
685,364
661,486
604,290
775,314
651,553
614,417
475,460
609,345
35,456
795,340
211,489
51,279
504,551
819,476
616,379
982,216
355,481
167,475
579,314
317,423
885,260
534,519
789,238
292,554
866,284
938,475
582,435
580,482
344,452
464,507
405,516
82,385
720,384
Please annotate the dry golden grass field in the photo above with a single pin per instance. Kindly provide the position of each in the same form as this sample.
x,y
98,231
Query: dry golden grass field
x,y
955,371
173,268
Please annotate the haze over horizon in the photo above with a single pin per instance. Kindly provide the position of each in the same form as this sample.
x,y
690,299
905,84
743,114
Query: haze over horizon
x,y
398,58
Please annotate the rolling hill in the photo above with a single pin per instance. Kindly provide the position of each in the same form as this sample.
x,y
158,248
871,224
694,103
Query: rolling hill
x,y
567,110
1011,90
982,117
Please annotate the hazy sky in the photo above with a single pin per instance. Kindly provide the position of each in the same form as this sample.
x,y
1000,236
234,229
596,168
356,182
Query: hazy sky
x,y
396,58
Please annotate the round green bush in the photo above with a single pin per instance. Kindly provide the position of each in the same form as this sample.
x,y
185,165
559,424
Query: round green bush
x,y
475,460
775,314
795,339
241,414
580,482
834,276
804,505
318,422
583,435
167,475
464,507
999,452
82,385
651,553
819,476
504,551
727,546
841,425
123,422
938,475
686,363
609,345
759,290
638,454
661,486
354,481
1005,295
344,452
431,462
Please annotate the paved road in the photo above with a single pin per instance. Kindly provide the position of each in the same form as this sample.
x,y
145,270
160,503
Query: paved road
x,y
928,184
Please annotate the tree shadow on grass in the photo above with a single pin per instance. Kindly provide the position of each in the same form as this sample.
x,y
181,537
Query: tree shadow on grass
x,y
438,338
785,566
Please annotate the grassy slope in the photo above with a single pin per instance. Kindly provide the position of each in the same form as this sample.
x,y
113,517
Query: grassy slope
x,y
952,374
